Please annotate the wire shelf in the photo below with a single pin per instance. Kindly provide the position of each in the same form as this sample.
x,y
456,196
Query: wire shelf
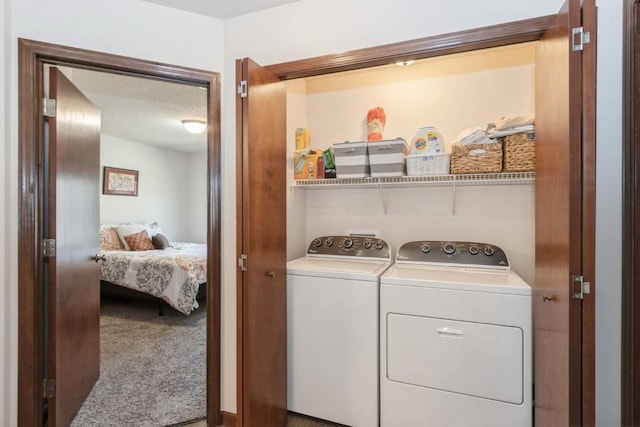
x,y
503,178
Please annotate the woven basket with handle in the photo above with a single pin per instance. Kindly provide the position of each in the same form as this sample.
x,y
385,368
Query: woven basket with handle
x,y
476,158
520,152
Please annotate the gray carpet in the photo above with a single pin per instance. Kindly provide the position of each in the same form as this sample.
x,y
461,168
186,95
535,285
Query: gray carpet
x,y
152,371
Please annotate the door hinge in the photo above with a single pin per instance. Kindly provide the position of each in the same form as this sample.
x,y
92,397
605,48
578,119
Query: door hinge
x,y
579,287
242,89
49,388
49,107
48,248
579,37
242,262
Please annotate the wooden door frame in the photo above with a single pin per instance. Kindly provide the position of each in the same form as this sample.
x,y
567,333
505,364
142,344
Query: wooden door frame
x,y
630,411
458,42
32,56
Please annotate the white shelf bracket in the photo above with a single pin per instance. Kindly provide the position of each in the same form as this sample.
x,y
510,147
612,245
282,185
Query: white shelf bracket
x,y
383,201
453,200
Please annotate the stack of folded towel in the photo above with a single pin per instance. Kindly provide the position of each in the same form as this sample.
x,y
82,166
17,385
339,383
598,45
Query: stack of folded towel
x,y
505,126
473,136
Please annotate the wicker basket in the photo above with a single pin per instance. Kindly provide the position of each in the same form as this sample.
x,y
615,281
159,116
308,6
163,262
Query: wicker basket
x,y
476,158
428,164
520,152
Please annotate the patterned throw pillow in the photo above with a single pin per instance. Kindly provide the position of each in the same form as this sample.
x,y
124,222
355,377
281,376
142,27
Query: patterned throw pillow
x,y
109,240
139,241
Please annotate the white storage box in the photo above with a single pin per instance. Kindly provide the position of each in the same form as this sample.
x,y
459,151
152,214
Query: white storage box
x,y
428,164
351,160
387,157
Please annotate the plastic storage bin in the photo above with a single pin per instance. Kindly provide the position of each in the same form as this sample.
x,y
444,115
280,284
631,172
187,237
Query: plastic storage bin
x,y
351,160
387,157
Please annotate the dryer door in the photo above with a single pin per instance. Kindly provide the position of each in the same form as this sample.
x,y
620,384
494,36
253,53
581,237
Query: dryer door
x,y
475,359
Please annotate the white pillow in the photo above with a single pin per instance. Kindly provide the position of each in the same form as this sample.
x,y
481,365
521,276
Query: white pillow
x,y
125,230
153,229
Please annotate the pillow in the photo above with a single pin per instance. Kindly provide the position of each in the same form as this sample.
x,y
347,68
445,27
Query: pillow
x,y
126,229
160,241
109,239
139,241
153,229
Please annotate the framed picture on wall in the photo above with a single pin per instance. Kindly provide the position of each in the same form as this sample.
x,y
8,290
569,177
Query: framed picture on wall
x,y
122,182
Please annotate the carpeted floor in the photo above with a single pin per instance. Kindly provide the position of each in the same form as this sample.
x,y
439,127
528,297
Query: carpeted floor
x,y
152,369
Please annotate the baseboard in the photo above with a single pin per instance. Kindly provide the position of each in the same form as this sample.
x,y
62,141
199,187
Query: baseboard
x,y
228,419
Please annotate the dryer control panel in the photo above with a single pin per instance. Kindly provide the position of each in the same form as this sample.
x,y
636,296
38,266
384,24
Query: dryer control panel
x,y
350,246
451,252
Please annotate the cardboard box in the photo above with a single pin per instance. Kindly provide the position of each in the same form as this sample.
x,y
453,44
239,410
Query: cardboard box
x,y
305,164
303,139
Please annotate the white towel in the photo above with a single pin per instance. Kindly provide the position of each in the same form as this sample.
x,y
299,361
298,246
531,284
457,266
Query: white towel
x,y
473,136
495,133
512,122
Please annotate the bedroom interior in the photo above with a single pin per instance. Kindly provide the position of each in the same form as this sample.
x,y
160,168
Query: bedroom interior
x,y
152,252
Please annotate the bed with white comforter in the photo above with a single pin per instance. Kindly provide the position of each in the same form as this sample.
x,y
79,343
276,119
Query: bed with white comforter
x,y
173,274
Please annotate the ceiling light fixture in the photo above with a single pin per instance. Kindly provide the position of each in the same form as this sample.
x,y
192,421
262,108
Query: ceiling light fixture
x,y
194,126
404,63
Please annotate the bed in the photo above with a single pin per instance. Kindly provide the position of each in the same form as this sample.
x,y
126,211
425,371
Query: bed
x,y
173,272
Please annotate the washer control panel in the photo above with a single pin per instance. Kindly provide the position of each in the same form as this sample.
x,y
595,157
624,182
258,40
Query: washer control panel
x,y
350,246
451,252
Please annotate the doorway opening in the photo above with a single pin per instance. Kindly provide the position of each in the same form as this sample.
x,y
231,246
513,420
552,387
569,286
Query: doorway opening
x,y
33,56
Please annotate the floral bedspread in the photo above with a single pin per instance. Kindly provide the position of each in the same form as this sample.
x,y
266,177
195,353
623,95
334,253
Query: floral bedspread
x,y
173,274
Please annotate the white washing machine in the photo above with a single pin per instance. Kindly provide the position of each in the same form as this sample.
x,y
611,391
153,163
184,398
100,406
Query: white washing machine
x,y
455,341
332,329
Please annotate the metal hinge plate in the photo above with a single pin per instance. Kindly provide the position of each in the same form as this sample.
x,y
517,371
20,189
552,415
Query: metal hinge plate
x,y
49,107
579,287
242,262
48,248
242,89
579,37
49,388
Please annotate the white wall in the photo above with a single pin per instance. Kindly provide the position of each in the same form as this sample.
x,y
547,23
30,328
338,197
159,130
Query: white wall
x,y
609,213
197,198
164,188
311,28
130,28
7,383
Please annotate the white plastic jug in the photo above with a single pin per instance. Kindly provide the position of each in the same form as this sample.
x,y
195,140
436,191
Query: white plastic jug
x,y
427,140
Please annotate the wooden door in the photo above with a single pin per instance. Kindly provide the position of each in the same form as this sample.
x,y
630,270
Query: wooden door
x,y
73,276
261,196
563,322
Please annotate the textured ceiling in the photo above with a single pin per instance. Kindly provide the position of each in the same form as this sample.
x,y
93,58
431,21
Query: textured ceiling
x,y
222,9
145,110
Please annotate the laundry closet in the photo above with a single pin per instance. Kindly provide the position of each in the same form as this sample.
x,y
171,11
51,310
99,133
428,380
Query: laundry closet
x,y
451,93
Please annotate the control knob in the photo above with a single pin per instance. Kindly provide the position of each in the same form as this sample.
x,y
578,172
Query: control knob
x,y
473,250
317,243
449,248
367,244
378,244
347,243
488,251
328,243
425,248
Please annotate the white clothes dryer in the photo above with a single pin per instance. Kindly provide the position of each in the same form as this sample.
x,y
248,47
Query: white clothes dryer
x,y
332,329
455,342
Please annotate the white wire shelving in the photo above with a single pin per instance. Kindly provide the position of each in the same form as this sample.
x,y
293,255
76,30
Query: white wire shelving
x,y
503,178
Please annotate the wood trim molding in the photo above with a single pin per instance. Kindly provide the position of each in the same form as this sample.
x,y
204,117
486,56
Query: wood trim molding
x,y
32,56
428,47
228,419
630,379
